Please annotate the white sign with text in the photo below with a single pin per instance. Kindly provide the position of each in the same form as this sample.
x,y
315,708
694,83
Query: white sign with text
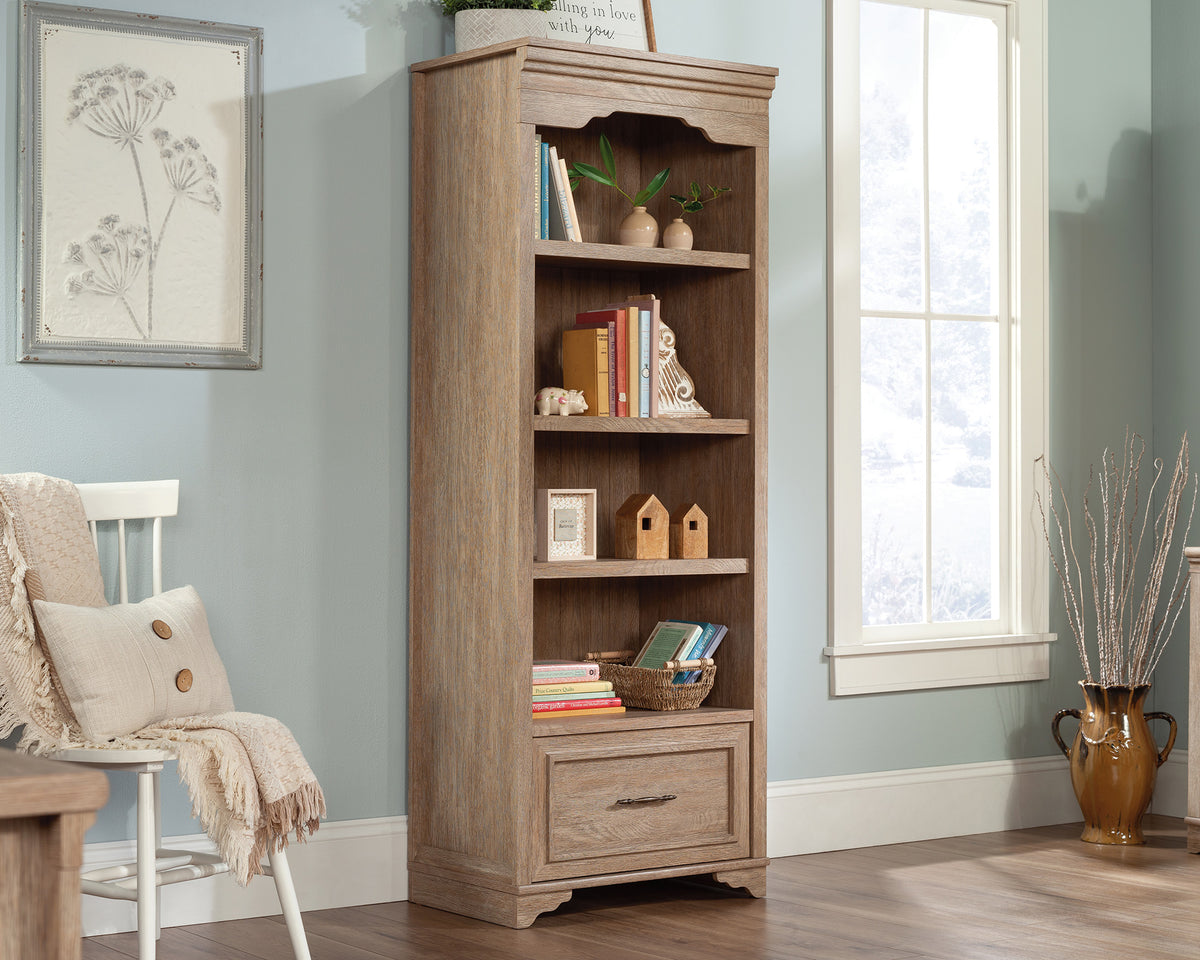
x,y
613,23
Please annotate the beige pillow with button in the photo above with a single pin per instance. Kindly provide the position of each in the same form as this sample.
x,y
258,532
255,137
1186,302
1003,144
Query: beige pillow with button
x,y
129,665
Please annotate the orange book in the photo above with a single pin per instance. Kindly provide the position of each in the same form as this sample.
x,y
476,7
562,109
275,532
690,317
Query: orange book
x,y
585,356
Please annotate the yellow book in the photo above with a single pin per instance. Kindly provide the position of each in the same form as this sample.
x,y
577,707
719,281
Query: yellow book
x,y
633,361
582,686
585,367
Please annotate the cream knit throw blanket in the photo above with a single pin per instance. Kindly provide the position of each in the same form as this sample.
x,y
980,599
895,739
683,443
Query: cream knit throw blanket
x,y
248,781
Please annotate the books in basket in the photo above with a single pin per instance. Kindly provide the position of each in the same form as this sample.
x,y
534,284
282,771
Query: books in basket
x,y
704,645
665,642
561,671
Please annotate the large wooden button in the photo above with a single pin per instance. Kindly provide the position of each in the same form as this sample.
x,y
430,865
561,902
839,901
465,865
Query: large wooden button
x,y
161,628
183,680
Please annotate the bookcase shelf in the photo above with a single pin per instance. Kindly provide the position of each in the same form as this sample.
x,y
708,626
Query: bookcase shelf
x,y
621,257
606,567
508,814
640,720
663,425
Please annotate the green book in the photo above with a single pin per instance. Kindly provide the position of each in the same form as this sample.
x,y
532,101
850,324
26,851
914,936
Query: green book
x,y
666,639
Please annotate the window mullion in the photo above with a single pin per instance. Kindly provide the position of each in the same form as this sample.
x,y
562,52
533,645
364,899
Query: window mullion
x,y
925,255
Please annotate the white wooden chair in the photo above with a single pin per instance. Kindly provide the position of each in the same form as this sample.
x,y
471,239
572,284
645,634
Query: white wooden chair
x,y
154,867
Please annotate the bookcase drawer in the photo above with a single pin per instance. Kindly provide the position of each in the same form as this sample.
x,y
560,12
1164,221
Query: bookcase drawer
x,y
613,802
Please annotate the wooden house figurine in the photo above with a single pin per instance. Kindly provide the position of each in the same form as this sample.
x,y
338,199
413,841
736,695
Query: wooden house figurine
x,y
689,533
643,528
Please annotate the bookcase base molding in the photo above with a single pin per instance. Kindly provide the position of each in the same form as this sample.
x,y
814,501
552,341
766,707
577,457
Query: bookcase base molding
x,y
445,891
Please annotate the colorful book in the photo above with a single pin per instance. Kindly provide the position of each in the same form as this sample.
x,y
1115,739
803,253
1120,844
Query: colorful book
x,y
576,226
613,360
561,188
648,343
544,187
664,643
583,686
615,321
693,651
633,359
585,360
561,671
547,714
565,705
706,651
537,185
595,695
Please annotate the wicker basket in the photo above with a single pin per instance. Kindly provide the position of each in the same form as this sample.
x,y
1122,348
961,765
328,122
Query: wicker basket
x,y
648,689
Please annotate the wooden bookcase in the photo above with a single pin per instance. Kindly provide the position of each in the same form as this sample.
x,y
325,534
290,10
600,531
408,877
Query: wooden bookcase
x,y
507,815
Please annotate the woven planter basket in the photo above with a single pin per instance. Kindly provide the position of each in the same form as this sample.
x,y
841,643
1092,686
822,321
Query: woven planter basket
x,y
482,28
653,689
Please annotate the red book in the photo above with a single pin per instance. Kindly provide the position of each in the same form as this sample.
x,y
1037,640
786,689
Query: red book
x,y
618,350
546,705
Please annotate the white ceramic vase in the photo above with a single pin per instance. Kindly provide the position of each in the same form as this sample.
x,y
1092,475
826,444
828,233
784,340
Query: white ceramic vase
x,y
482,28
638,229
677,235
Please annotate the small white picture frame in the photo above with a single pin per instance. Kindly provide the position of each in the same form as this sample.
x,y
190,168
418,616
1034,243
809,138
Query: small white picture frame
x,y
566,524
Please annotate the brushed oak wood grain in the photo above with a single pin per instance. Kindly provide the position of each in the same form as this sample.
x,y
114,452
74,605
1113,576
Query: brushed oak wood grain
x,y
489,304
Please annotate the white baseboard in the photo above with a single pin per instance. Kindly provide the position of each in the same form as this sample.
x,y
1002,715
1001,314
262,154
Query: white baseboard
x,y
343,864
354,862
866,810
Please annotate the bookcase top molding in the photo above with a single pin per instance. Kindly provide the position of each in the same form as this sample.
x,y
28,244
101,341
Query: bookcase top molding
x,y
565,84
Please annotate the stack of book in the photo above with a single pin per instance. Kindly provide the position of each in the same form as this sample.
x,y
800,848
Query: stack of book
x,y
680,640
557,218
611,355
571,688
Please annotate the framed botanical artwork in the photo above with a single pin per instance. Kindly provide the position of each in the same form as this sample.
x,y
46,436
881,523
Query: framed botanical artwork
x,y
613,23
141,189
566,524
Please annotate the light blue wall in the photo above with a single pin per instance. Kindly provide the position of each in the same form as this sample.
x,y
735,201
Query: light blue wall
x,y
1176,278
293,520
293,515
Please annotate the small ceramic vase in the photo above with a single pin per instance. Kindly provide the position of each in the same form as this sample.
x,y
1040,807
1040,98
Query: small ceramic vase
x,y
678,235
639,229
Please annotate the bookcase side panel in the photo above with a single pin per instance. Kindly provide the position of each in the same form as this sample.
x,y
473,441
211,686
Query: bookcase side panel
x,y
471,469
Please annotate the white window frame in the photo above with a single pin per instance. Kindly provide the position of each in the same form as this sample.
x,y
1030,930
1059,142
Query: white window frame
x,y
913,658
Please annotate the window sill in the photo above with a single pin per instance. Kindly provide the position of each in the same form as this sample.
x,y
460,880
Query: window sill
x,y
928,664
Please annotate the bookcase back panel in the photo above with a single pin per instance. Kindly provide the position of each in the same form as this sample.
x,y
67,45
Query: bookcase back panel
x,y
572,617
644,145
726,600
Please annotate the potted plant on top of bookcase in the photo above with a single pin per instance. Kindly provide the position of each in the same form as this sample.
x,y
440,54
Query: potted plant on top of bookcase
x,y
479,23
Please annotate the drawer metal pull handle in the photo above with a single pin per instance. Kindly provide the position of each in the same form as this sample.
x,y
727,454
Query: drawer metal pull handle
x,y
663,799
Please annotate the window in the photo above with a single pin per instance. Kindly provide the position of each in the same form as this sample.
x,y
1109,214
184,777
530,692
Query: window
x,y
937,331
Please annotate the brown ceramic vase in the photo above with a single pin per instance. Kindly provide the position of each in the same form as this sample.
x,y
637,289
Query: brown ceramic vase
x,y
1113,760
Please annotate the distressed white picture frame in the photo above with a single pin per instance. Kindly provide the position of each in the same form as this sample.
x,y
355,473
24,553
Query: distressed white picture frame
x,y
141,183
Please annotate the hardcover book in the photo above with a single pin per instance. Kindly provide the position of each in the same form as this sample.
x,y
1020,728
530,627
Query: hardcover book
x,y
561,706
560,188
706,650
648,333
567,687
585,358
664,643
614,321
561,671
547,714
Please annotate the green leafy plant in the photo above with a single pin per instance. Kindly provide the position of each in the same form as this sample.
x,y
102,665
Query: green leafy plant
x,y
451,7
695,203
608,176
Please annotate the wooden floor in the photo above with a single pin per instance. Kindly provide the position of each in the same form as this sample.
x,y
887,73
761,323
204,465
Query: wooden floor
x,y
1024,895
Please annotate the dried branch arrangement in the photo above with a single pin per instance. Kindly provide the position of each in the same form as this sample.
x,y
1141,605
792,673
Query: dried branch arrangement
x,y
1132,623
